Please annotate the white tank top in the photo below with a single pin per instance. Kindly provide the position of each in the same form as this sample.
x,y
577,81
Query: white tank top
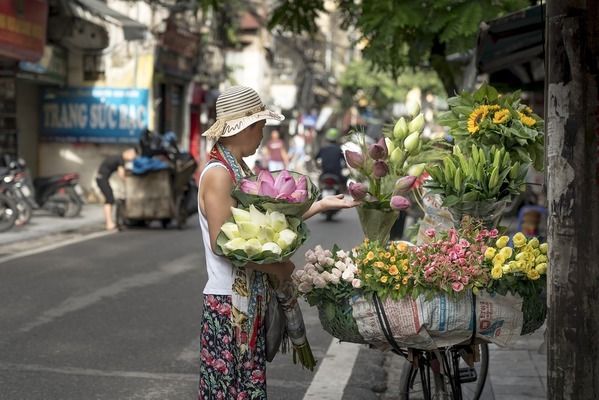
x,y
220,270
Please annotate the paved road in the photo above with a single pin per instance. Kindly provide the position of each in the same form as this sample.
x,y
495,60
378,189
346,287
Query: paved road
x,y
117,317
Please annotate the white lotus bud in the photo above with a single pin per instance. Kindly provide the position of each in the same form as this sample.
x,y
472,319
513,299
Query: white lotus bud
x,y
231,230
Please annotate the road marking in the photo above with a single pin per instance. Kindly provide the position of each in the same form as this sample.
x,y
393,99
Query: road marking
x,y
334,372
6,366
76,303
54,246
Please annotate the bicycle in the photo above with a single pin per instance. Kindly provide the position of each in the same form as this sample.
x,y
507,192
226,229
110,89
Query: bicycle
x,y
447,373
456,372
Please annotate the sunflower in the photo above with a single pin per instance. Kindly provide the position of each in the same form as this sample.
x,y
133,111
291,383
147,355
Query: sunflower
x,y
493,107
501,116
476,118
526,120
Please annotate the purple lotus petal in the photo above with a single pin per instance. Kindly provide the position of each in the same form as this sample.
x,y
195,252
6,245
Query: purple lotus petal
x,y
267,189
302,183
399,203
357,190
266,176
381,169
404,184
354,159
299,196
248,186
378,151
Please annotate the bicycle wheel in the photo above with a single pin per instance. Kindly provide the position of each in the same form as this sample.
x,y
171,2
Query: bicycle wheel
x,y
427,382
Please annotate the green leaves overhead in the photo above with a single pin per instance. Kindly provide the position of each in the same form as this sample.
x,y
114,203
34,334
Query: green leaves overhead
x,y
403,33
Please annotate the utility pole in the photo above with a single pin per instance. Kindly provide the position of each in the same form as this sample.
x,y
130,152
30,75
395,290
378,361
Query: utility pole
x,y
572,139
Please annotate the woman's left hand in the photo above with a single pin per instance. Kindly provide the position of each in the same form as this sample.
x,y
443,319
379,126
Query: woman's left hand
x,y
337,202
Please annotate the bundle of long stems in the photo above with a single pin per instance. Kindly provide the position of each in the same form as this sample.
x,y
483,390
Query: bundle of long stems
x,y
296,329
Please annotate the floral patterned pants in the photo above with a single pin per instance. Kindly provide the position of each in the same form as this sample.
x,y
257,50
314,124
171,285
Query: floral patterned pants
x,y
224,372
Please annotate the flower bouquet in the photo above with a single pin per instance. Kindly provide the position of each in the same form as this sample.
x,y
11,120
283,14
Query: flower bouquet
x,y
487,118
328,281
387,171
287,192
520,270
480,183
261,238
496,139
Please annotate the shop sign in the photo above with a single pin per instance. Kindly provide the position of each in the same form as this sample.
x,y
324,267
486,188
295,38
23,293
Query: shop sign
x,y
96,115
52,67
23,28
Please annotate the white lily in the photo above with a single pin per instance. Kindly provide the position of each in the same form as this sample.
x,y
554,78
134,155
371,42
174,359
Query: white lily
x,y
272,247
286,238
234,244
257,217
278,222
252,247
240,215
248,230
266,234
230,230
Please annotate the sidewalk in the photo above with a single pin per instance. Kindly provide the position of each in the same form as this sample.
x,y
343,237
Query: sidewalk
x,y
45,227
517,372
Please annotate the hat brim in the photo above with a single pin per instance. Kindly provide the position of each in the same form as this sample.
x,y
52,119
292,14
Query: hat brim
x,y
235,126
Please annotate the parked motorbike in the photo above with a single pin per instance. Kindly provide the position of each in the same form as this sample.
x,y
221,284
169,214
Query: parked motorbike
x,y
60,194
17,191
330,185
8,208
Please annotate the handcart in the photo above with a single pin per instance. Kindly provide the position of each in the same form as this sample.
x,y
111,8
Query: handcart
x,y
167,196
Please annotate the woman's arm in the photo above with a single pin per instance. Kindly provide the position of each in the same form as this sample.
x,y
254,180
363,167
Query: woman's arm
x,y
216,200
330,203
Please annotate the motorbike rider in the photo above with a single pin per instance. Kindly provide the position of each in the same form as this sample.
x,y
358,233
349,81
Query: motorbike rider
x,y
107,168
330,156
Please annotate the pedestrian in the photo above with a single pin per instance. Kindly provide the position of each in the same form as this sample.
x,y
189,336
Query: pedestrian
x,y
107,168
297,154
232,338
278,158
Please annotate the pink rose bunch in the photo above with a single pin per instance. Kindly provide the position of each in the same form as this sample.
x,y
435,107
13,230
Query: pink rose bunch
x,y
453,262
282,187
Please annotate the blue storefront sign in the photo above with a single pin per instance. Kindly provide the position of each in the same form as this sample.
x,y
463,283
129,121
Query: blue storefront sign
x,y
95,114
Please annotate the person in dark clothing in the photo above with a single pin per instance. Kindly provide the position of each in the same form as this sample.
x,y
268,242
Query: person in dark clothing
x,y
331,156
110,165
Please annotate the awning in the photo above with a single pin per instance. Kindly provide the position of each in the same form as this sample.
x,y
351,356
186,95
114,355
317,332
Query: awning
x,y
132,29
511,40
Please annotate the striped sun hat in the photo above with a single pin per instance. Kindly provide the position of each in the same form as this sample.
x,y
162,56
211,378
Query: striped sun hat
x,y
237,108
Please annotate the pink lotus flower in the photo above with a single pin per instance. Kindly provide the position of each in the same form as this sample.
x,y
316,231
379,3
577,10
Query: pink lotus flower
x,y
378,151
357,190
266,189
399,203
299,196
265,175
302,184
283,187
249,187
354,159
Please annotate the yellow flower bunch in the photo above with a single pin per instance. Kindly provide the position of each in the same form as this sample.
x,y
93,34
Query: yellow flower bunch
x,y
384,269
527,259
